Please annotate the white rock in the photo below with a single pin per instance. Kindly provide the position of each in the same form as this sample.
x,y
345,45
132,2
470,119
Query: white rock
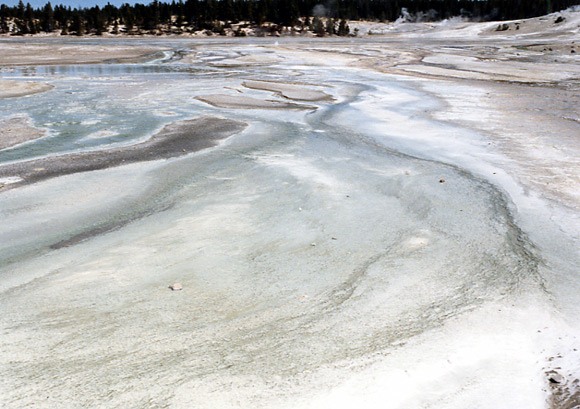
x,y
176,287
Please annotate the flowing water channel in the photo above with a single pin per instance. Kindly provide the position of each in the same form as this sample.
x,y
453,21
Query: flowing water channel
x,y
327,258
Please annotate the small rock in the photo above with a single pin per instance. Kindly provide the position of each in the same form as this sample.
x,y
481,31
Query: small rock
x,y
441,180
176,287
313,244
334,238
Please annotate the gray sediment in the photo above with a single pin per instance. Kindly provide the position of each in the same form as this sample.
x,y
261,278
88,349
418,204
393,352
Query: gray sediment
x,y
176,139
14,89
298,92
244,102
17,130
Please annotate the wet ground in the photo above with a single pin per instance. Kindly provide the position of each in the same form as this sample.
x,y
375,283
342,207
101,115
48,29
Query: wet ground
x,y
388,246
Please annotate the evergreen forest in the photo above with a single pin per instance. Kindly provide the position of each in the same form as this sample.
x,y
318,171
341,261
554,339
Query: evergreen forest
x,y
214,15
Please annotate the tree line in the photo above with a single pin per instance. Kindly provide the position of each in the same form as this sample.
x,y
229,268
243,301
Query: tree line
x,y
215,15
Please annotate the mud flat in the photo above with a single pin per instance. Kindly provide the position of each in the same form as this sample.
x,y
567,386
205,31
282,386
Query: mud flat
x,y
245,102
298,92
17,130
13,89
54,52
176,139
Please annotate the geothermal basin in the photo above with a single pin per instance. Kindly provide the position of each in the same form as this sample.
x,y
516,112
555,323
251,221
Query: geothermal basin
x,y
366,222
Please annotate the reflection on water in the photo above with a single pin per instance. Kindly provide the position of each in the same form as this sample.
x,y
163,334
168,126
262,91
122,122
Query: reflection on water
x,y
100,70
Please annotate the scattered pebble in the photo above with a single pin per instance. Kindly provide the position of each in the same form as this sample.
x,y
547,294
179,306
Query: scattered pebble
x,y
441,180
176,287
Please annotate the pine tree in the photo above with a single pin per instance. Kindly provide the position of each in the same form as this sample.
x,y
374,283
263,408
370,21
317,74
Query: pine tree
x,y
153,16
227,11
248,11
20,10
330,29
343,28
210,12
262,12
77,23
318,27
47,18
290,13
179,19
4,28
98,22
29,20
129,19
